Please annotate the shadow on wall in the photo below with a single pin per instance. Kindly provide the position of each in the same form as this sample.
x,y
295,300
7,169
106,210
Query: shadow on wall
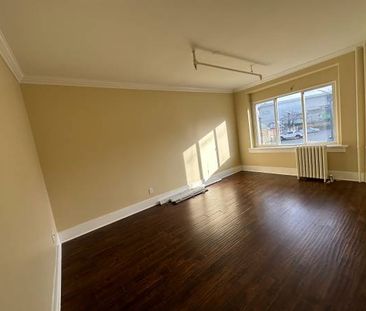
x,y
205,157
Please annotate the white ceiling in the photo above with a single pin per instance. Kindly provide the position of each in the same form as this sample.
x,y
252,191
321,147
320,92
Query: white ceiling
x,y
150,41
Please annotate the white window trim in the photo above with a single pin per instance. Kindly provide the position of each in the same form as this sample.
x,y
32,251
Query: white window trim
x,y
291,148
335,146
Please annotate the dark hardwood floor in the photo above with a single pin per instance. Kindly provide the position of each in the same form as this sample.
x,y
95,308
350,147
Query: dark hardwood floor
x,y
252,242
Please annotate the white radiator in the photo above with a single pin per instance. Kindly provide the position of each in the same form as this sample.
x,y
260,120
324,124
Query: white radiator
x,y
311,162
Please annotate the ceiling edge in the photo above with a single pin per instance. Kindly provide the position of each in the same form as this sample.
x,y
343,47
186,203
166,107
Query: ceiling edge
x,y
300,67
7,54
117,85
10,59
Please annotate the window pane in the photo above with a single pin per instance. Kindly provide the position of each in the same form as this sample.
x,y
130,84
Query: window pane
x,y
290,119
266,123
319,114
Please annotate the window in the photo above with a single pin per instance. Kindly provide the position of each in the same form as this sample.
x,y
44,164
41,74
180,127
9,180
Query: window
x,y
266,123
305,117
319,114
290,119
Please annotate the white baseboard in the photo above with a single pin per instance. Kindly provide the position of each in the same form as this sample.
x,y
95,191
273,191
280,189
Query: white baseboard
x,y
338,175
270,170
56,295
223,174
109,218
346,175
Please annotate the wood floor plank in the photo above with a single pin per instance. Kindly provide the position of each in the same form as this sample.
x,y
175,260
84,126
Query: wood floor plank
x,y
252,242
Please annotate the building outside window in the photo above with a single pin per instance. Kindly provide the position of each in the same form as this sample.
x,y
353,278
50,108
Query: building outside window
x,y
305,117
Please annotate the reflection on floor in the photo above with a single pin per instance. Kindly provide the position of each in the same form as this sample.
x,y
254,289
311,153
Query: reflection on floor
x,y
252,242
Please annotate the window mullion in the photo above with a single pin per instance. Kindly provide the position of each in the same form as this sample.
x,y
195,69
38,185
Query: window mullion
x,y
259,132
304,123
276,121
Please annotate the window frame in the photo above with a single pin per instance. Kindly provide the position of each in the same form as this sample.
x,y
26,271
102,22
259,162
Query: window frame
x,y
335,116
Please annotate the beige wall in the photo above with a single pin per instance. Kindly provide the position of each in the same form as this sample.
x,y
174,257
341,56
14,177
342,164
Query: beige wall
x,y
101,149
26,225
342,71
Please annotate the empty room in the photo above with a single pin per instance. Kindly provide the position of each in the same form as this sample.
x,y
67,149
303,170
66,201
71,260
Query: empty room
x,y
182,155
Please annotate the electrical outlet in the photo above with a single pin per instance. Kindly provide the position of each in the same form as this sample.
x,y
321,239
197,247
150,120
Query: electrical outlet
x,y
151,190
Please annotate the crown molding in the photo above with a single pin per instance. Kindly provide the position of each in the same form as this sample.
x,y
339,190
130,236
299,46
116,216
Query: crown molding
x,y
299,67
117,85
44,80
9,58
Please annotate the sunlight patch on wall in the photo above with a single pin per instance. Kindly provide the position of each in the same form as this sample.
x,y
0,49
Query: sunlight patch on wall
x,y
203,159
208,153
191,163
222,143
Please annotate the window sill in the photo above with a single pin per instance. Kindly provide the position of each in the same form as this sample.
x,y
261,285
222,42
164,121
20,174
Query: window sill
x,y
283,149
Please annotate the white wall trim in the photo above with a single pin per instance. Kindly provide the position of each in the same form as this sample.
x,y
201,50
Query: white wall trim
x,y
56,295
291,149
43,80
10,59
357,116
96,223
338,175
64,81
7,54
345,175
270,170
272,150
364,103
109,218
299,67
223,174
112,217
